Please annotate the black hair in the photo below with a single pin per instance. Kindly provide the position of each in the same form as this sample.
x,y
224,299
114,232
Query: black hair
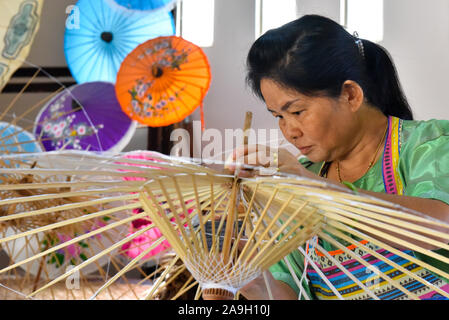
x,y
314,55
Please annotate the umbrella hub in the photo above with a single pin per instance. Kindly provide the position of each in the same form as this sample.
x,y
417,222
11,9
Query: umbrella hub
x,y
156,71
106,36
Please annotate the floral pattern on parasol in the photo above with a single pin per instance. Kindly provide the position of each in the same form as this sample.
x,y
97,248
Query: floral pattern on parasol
x,y
85,117
163,81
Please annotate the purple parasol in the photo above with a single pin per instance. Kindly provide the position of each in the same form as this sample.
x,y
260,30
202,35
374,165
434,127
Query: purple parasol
x,y
85,116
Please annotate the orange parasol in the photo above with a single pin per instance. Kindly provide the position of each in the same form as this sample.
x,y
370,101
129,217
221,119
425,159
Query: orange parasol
x,y
162,81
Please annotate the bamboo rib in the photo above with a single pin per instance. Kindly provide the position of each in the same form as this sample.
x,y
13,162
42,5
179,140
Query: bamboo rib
x,y
65,195
90,260
300,238
258,244
185,288
230,218
69,206
397,252
362,202
80,184
387,261
161,278
199,213
70,221
268,249
389,237
256,227
127,267
322,276
17,96
382,220
245,221
297,281
159,220
345,271
75,240
366,264
187,215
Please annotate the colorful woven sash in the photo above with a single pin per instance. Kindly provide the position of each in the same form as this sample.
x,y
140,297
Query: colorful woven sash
x,y
342,283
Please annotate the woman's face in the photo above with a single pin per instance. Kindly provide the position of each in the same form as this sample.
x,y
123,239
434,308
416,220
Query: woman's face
x,y
322,128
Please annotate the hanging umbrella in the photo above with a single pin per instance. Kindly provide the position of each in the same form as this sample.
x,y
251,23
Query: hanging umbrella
x,y
145,5
106,34
163,81
85,117
14,139
20,22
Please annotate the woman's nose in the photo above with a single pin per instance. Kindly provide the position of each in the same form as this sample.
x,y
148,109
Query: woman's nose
x,y
292,130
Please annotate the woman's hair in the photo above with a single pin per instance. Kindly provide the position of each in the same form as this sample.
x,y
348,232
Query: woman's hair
x,y
315,56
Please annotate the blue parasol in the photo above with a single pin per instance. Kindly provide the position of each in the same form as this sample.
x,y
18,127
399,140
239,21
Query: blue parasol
x,y
146,5
14,139
105,35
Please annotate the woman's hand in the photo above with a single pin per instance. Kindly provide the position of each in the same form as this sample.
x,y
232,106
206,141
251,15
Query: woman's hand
x,y
257,289
244,158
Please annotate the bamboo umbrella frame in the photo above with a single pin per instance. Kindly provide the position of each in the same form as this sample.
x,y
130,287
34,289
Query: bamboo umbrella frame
x,y
254,222
48,202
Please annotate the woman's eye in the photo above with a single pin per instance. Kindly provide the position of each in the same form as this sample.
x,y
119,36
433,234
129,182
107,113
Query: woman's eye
x,y
278,116
297,113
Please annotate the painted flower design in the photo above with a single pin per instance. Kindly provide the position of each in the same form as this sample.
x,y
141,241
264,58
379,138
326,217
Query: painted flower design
x,y
168,59
65,132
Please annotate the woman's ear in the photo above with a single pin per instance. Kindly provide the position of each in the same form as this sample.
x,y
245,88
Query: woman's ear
x,y
352,95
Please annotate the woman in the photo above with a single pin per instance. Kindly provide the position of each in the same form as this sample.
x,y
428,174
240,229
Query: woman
x,y
339,101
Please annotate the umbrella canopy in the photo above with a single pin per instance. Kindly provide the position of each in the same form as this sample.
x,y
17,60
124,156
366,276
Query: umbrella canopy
x,y
14,139
85,117
106,34
146,5
19,24
163,81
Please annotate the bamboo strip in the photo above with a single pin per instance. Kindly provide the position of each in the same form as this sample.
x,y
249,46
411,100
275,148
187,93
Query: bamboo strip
x,y
70,221
297,281
256,227
185,288
322,276
386,260
187,215
186,239
199,213
75,240
90,260
230,218
35,185
161,220
386,236
366,264
67,207
268,247
382,220
345,271
397,252
65,195
161,278
127,267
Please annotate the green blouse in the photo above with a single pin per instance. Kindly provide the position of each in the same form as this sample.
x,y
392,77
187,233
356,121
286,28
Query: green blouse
x,y
423,168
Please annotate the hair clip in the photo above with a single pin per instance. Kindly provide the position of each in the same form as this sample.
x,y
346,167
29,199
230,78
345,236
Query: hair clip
x,y
359,43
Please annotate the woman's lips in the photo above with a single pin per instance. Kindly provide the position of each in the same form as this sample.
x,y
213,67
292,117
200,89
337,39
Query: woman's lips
x,y
305,150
